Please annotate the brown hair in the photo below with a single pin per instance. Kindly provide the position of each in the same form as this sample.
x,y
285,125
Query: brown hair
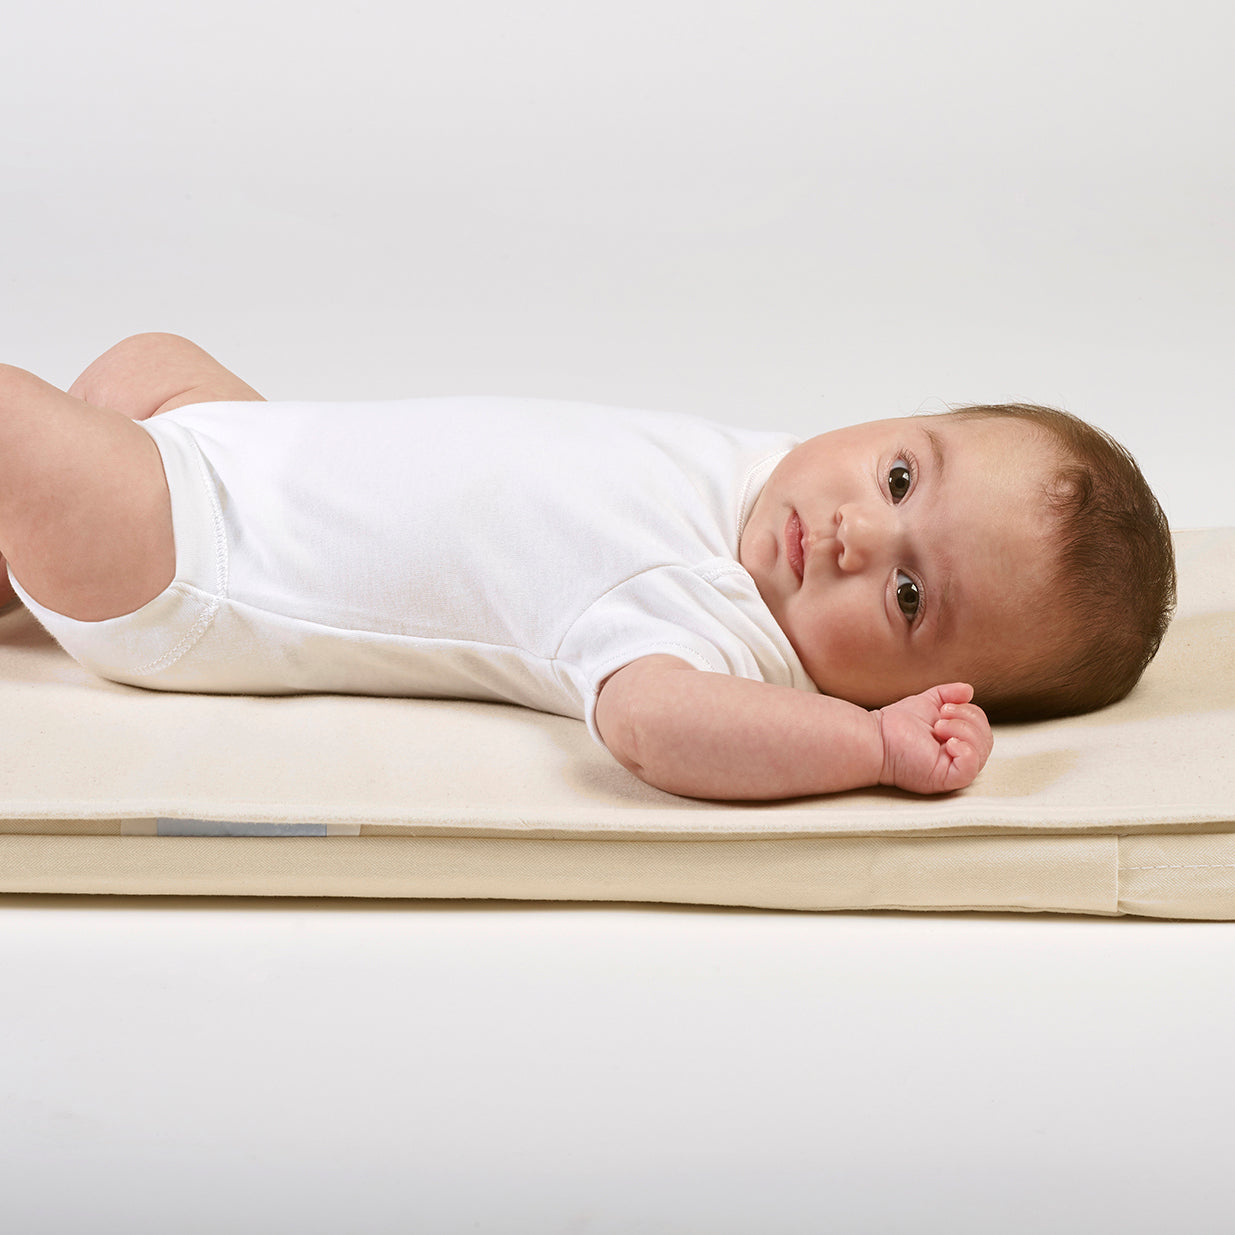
x,y
1114,580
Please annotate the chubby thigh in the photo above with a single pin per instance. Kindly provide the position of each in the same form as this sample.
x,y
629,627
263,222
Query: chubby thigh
x,y
85,511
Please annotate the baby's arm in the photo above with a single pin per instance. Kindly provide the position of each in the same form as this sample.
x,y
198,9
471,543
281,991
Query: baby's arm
x,y
709,735
151,373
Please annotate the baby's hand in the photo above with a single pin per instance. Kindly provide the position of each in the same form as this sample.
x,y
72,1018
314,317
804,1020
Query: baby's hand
x,y
934,742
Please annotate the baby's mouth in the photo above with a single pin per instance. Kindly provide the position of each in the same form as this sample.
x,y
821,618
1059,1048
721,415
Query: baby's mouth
x,y
793,545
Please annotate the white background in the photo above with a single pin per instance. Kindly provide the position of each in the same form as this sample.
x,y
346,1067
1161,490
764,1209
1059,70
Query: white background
x,y
792,215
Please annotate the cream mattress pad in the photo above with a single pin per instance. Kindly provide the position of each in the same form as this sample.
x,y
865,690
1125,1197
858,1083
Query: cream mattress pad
x,y
108,788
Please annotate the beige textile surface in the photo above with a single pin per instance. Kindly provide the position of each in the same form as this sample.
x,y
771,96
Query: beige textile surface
x,y
106,788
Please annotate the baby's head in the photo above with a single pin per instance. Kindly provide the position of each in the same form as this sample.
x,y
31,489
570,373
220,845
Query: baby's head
x,y
1011,546
1112,588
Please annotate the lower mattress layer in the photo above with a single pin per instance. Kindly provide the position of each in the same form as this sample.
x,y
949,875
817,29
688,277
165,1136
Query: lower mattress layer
x,y
1166,876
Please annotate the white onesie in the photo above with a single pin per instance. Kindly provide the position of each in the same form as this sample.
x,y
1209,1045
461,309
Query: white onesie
x,y
478,548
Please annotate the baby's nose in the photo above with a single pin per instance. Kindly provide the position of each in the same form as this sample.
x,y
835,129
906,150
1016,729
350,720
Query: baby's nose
x,y
858,536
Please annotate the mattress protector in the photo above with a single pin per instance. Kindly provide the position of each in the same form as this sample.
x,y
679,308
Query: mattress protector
x,y
109,788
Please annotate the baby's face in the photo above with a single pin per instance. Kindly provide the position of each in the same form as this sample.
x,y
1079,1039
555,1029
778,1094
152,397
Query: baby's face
x,y
900,554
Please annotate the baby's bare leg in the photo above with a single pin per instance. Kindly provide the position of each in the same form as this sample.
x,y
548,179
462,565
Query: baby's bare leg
x,y
85,513
139,377
152,373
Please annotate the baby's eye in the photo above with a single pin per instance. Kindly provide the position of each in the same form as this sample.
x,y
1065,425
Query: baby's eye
x,y
900,477
907,596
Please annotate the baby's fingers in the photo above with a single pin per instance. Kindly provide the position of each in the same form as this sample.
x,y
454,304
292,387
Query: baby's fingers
x,y
962,761
967,737
969,713
964,764
955,693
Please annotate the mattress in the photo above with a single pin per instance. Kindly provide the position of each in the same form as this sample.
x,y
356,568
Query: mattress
x,y
110,789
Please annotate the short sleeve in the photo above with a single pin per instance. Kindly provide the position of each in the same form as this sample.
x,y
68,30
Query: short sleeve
x,y
710,616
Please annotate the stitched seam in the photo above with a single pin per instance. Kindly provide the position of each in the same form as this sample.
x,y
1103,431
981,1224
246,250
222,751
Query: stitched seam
x,y
745,501
556,654
193,634
1198,866
199,627
216,511
719,568
658,649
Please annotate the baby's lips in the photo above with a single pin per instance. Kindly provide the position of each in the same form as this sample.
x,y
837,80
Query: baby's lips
x,y
795,538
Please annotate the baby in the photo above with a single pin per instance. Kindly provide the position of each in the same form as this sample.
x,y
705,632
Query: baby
x,y
734,614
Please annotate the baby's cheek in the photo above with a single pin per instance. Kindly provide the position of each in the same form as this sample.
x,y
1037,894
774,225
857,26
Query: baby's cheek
x,y
852,655
838,628
833,643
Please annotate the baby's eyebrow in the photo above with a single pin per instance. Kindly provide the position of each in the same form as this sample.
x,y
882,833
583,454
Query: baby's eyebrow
x,y
936,444
947,592
945,602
